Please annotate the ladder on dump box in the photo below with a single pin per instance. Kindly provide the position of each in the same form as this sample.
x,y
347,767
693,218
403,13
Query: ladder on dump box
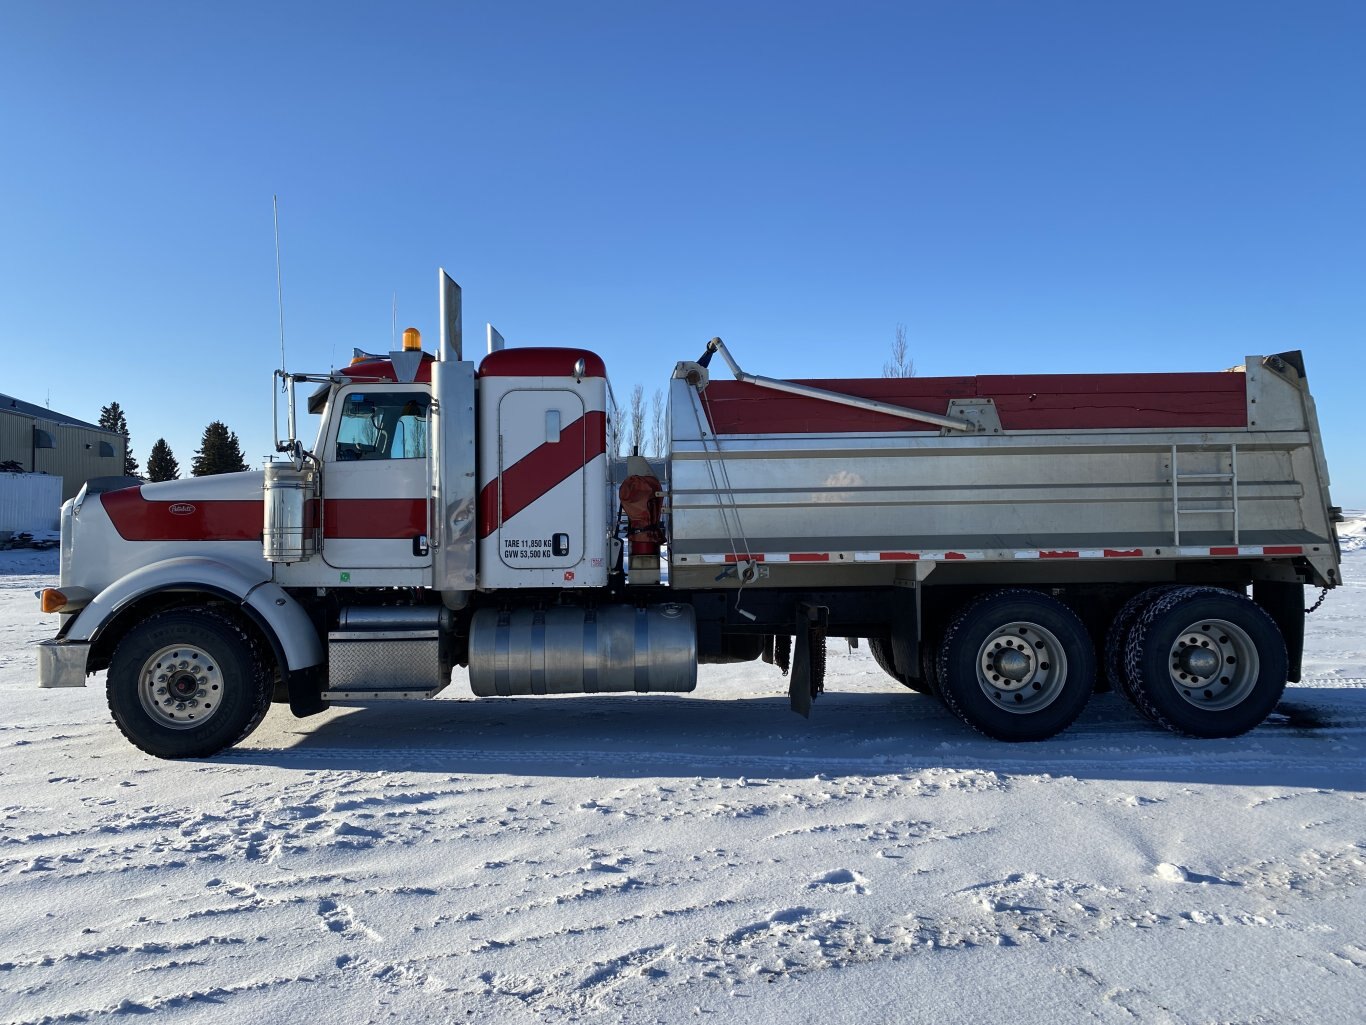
x,y
1179,479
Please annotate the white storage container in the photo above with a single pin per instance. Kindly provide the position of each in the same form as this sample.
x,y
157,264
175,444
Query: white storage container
x,y
30,501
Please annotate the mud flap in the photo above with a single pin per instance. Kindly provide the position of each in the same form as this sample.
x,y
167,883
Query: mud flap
x,y
1284,602
808,658
303,690
782,652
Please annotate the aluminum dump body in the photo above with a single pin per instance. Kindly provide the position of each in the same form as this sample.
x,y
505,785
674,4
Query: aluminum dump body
x,y
1094,468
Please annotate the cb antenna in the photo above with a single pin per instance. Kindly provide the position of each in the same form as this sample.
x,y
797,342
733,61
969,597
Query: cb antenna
x,y
279,285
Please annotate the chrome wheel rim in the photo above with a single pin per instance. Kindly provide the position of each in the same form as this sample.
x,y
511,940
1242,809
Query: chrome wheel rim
x,y
1021,667
180,686
1213,664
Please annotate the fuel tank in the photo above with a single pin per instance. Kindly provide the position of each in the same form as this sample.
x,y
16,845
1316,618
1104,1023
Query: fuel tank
x,y
611,648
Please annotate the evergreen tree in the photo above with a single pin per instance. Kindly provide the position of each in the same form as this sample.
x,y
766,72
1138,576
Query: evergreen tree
x,y
161,464
112,419
219,452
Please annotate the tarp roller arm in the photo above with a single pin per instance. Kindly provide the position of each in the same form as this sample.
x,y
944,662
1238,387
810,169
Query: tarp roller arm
x,y
792,388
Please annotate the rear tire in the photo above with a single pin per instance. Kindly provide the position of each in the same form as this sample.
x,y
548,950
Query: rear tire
x,y
187,684
1118,634
931,639
881,649
1017,665
1205,662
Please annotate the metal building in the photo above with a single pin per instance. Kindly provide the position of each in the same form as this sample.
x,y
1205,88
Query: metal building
x,y
40,440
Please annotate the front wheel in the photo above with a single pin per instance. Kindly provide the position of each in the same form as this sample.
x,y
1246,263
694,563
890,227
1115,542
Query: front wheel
x,y
1017,665
1205,662
187,684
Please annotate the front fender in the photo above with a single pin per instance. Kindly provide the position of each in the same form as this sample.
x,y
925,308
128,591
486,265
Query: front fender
x,y
266,603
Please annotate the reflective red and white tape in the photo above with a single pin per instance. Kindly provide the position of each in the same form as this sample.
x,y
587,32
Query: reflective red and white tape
x,y
723,558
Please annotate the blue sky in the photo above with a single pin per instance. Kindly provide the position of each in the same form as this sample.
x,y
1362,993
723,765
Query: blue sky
x,y
1031,187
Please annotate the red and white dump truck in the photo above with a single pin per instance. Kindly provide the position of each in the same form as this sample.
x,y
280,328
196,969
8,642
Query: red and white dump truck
x,y
1005,543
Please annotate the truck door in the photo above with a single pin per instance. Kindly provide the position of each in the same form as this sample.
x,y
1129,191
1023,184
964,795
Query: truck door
x,y
375,479
541,459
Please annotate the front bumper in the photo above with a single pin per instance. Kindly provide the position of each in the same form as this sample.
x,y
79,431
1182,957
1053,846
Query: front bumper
x,y
62,663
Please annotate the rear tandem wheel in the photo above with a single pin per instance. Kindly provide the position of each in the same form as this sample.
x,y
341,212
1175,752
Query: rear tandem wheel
x,y
1205,662
881,649
1118,635
1016,664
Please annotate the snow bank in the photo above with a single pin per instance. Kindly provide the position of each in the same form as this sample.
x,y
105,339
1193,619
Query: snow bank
x,y
29,562
1352,533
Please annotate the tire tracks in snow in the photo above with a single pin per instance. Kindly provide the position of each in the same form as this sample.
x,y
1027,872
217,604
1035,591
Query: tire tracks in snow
x,y
590,760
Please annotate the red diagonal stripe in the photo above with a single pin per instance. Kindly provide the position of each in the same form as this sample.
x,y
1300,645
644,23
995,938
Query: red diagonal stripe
x,y
541,469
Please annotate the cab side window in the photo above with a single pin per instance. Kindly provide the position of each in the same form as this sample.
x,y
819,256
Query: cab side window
x,y
383,425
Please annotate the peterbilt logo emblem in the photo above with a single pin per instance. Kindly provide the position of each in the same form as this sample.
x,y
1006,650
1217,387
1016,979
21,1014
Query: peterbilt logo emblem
x,y
182,509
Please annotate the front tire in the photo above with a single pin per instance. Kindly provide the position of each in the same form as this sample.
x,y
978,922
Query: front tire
x,y
187,684
1017,665
1205,662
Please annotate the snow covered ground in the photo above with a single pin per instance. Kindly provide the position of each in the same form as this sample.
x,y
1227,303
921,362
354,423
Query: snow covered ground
x,y
708,856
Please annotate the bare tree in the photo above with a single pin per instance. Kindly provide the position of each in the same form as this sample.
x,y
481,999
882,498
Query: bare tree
x,y
901,364
637,417
657,424
616,428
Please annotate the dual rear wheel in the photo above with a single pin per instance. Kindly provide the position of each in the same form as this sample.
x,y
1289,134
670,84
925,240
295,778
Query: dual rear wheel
x,y
1017,664
881,649
1014,664
1201,661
